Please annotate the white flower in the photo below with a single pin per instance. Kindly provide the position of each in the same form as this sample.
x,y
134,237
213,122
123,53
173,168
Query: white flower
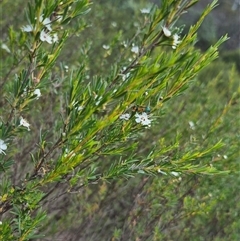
x,y
176,174
106,46
5,47
124,116
135,49
59,18
79,108
143,119
37,92
125,76
24,123
3,147
54,38
145,10
124,43
66,68
46,22
98,99
160,171
44,36
114,24
175,41
191,125
166,32
27,28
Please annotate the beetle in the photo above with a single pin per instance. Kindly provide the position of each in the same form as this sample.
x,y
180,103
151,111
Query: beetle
x,y
141,109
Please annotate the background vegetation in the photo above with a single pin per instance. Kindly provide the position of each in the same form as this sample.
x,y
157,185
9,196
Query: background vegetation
x,y
177,202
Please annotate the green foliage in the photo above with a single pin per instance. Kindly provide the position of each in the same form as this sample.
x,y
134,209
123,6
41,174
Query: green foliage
x,y
131,105
232,56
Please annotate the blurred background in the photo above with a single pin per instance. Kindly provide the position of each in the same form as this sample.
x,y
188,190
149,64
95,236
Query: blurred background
x,y
185,207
